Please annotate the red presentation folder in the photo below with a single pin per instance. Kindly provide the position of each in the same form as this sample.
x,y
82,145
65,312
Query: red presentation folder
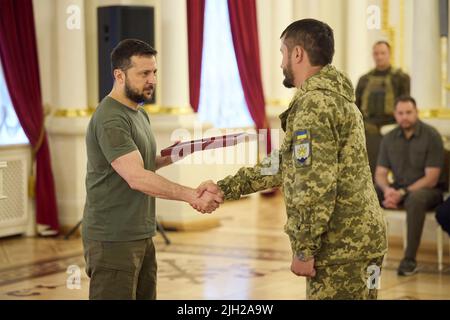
x,y
183,149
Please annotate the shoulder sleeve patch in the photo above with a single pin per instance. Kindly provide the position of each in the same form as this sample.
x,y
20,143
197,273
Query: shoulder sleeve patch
x,y
302,148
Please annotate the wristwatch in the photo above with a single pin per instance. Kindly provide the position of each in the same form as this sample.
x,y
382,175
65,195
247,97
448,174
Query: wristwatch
x,y
403,192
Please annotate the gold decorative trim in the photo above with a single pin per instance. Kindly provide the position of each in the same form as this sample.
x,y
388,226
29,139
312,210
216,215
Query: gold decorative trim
x,y
73,113
444,66
438,113
402,34
385,14
173,110
387,29
87,112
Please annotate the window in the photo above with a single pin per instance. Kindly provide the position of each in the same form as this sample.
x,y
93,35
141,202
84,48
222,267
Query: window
x,y
11,131
222,100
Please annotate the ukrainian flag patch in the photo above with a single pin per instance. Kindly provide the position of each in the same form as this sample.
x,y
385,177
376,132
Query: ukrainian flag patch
x,y
301,135
302,148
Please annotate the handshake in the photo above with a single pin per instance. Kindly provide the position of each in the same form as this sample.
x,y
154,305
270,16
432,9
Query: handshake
x,y
208,197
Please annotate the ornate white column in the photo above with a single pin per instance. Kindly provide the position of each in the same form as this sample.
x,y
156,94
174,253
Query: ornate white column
x,y
71,59
282,16
304,9
175,113
426,64
266,44
408,34
66,126
174,55
396,24
269,43
330,12
273,17
358,48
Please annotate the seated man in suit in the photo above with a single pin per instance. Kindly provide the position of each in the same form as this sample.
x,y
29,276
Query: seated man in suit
x,y
414,152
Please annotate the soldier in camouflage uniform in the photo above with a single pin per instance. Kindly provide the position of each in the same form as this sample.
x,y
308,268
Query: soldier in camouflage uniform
x,y
335,224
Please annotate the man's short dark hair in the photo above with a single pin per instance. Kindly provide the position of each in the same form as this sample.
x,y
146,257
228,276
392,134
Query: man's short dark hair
x,y
122,53
382,42
315,36
405,98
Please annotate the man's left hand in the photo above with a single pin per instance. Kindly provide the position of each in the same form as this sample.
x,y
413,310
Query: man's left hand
x,y
303,268
396,197
168,160
393,200
390,204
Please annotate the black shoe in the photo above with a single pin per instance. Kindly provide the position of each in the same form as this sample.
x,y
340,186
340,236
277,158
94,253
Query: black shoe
x,y
407,267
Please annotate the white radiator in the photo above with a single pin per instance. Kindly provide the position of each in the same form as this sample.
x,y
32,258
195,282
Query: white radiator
x,y
15,217
2,166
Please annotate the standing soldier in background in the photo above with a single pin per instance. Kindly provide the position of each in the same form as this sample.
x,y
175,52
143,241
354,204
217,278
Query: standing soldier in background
x,y
335,224
376,93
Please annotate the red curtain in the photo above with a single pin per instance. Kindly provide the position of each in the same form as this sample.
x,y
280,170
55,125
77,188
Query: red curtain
x,y
195,21
244,31
18,53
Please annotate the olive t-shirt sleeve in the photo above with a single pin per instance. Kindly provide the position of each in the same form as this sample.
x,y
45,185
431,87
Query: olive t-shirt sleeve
x,y
114,138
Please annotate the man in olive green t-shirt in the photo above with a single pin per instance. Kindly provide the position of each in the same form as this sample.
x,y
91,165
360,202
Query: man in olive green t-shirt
x,y
119,215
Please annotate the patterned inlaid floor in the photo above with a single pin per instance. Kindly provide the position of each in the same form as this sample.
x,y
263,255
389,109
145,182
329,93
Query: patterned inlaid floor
x,y
247,257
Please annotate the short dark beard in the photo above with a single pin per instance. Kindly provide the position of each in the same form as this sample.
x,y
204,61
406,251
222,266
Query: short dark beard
x,y
134,95
412,127
288,81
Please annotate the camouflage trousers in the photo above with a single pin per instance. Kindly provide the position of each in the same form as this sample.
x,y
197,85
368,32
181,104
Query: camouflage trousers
x,y
353,281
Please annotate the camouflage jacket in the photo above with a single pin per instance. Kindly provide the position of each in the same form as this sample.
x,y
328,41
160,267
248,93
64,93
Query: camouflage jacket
x,y
332,209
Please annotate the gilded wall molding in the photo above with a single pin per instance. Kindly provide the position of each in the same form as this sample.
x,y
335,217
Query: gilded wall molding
x,y
87,112
435,113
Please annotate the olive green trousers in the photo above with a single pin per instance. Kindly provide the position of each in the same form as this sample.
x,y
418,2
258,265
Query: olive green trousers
x,y
124,270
